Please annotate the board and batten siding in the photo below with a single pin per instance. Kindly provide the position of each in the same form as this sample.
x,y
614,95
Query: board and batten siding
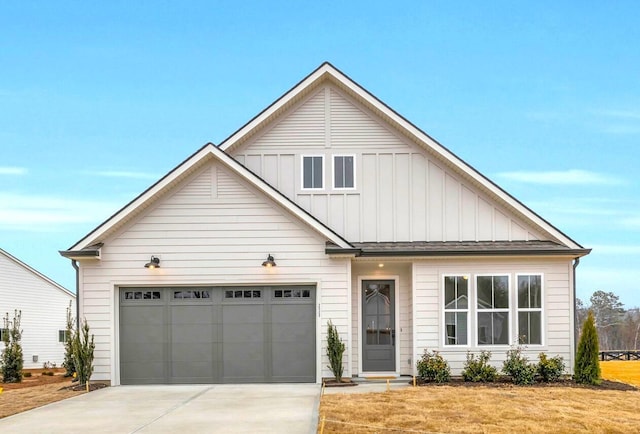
x,y
557,306
44,311
213,229
403,192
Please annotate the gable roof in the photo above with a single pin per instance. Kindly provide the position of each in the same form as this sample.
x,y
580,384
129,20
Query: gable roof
x,y
36,273
328,72
89,245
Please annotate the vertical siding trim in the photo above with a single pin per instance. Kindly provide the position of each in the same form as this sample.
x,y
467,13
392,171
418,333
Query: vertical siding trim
x,y
394,192
414,331
460,211
410,196
377,198
349,349
214,181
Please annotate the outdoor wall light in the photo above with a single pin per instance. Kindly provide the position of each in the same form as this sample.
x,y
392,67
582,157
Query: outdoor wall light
x,y
269,262
154,262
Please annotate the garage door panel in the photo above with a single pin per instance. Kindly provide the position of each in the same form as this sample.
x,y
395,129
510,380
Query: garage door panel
x,y
234,335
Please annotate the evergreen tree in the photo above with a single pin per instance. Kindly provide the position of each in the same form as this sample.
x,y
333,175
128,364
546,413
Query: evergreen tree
x,y
335,349
68,364
11,362
587,367
83,354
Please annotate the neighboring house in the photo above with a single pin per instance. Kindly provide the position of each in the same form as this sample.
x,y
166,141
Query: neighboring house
x,y
328,205
43,304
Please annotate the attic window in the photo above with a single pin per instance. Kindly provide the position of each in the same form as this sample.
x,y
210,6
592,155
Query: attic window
x,y
343,171
312,172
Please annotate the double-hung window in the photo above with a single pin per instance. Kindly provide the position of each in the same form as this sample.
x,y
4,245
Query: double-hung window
x,y
530,309
456,310
312,172
492,302
344,171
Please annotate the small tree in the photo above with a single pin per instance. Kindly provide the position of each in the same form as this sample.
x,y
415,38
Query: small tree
x,y
335,349
83,354
587,367
11,362
68,364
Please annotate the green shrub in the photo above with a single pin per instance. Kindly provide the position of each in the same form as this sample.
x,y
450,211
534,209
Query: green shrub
x,y
26,374
479,370
83,354
587,367
68,364
518,367
550,369
335,349
11,362
433,367
48,373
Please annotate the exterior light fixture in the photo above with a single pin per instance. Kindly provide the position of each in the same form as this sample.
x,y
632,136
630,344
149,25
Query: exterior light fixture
x,y
269,262
154,262
380,265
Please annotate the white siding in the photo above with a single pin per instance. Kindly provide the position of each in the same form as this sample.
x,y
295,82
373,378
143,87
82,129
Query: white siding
x,y
403,193
44,311
205,240
557,308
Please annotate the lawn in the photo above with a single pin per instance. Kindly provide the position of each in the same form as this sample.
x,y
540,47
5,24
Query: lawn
x,y
489,409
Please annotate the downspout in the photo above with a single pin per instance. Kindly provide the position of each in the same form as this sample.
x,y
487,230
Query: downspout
x,y
74,263
576,262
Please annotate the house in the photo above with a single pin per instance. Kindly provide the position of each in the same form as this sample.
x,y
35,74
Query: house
x,y
43,304
328,205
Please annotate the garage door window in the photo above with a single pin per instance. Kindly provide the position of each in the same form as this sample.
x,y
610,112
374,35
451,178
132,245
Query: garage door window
x,y
243,293
292,293
142,295
180,295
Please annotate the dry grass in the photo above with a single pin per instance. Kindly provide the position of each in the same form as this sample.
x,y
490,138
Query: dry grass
x,y
17,400
484,409
627,371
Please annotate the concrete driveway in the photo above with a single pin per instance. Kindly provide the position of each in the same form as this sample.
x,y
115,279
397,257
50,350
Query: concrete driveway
x,y
251,408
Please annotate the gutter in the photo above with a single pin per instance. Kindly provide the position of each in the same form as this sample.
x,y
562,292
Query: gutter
x,y
74,263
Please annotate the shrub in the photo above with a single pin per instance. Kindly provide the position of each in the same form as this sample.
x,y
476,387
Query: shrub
x,y
433,367
83,354
518,367
68,364
48,373
550,369
335,349
11,362
26,374
479,370
587,367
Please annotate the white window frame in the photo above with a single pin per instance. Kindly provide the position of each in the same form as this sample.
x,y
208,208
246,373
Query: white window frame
x,y
527,309
333,171
302,187
478,311
468,310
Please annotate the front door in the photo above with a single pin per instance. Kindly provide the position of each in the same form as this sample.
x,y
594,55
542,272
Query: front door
x,y
378,326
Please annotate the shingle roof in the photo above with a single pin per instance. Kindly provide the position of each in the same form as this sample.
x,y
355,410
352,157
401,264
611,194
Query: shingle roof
x,y
458,248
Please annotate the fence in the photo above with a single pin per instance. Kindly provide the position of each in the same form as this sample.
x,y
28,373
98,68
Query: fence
x,y
620,355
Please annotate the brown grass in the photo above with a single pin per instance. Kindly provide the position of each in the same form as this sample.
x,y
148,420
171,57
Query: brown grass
x,y
15,401
627,371
490,409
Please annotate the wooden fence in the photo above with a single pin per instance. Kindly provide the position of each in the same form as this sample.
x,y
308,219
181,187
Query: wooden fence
x,y
620,355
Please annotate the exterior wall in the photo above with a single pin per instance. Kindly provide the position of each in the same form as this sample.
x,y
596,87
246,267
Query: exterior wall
x,y
557,306
402,193
213,229
404,328
44,311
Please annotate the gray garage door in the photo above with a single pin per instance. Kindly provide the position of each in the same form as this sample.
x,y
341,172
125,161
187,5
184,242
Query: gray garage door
x,y
252,334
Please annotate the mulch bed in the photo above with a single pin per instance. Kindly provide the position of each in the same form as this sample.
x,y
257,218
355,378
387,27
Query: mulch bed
x,y
331,382
506,383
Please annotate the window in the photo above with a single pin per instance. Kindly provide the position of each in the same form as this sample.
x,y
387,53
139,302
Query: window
x,y
189,294
243,293
292,293
530,309
343,171
312,172
142,295
3,334
456,309
493,310
63,335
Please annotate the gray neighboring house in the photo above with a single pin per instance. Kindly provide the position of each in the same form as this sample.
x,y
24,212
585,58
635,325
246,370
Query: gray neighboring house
x,y
44,306
327,205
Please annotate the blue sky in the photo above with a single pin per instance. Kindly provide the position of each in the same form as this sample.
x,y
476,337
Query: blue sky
x,y
99,101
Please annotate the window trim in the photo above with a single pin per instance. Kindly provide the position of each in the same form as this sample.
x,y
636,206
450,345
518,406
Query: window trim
x,y
508,310
540,309
333,171
468,310
302,187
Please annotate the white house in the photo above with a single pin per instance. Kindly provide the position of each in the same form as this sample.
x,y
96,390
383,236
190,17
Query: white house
x,y
43,304
328,205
